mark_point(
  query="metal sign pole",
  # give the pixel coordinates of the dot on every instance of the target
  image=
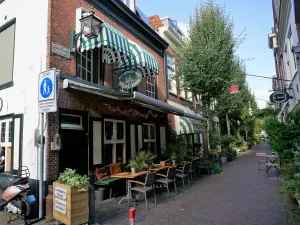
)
(41, 169)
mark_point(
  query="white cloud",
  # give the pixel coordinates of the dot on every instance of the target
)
(261, 97)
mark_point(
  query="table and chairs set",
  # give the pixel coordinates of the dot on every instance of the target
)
(268, 162)
(157, 177)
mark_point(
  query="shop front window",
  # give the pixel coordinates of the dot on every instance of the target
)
(149, 136)
(114, 141)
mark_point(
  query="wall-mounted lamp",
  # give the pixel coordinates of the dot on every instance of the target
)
(56, 144)
(90, 28)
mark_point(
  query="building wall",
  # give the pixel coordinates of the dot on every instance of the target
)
(285, 22)
(62, 19)
(29, 61)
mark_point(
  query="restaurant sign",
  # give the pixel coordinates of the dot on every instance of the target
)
(278, 97)
(129, 79)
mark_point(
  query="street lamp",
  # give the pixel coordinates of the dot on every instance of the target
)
(90, 25)
(90, 28)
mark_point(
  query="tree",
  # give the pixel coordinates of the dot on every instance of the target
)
(207, 57)
(228, 103)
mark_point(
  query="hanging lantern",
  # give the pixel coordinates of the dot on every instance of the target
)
(234, 89)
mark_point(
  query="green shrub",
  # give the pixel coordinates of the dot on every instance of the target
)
(71, 178)
(227, 140)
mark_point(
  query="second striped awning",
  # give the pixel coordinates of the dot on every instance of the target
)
(141, 60)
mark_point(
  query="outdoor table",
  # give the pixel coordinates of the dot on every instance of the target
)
(127, 176)
(159, 167)
(273, 159)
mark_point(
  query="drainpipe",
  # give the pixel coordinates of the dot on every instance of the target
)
(165, 77)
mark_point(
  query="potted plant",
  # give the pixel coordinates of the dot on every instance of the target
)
(133, 165)
(70, 198)
(149, 158)
(173, 157)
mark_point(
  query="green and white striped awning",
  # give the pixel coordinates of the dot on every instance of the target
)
(141, 60)
(114, 44)
(189, 126)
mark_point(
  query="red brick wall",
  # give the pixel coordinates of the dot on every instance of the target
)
(62, 19)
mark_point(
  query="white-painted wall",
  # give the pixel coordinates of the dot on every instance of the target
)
(29, 59)
(295, 84)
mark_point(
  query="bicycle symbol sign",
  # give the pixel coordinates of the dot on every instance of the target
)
(46, 87)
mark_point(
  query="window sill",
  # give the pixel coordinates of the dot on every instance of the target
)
(172, 93)
(6, 85)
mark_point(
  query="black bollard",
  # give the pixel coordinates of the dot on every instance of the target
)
(92, 211)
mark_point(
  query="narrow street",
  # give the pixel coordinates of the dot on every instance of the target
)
(239, 195)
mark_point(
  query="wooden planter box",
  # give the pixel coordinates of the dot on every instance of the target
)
(70, 206)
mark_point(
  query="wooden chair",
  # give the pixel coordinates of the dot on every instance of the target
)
(261, 159)
(272, 161)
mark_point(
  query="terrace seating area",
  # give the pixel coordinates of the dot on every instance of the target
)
(144, 183)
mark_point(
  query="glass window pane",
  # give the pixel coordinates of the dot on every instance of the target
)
(169, 74)
(83, 75)
(3, 129)
(108, 130)
(170, 61)
(145, 132)
(108, 154)
(89, 65)
(10, 132)
(120, 131)
(89, 78)
(120, 148)
(152, 132)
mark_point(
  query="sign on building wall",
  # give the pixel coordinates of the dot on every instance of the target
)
(61, 50)
(47, 91)
(278, 97)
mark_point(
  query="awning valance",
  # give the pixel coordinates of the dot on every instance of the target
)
(141, 60)
(114, 44)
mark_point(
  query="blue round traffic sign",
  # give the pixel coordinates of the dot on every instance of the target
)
(46, 87)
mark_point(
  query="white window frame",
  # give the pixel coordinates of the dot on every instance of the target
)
(150, 140)
(114, 140)
(291, 55)
(6, 144)
(150, 85)
(172, 80)
(72, 126)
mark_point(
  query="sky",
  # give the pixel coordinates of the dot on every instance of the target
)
(254, 16)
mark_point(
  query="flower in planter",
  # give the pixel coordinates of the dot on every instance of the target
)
(71, 178)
